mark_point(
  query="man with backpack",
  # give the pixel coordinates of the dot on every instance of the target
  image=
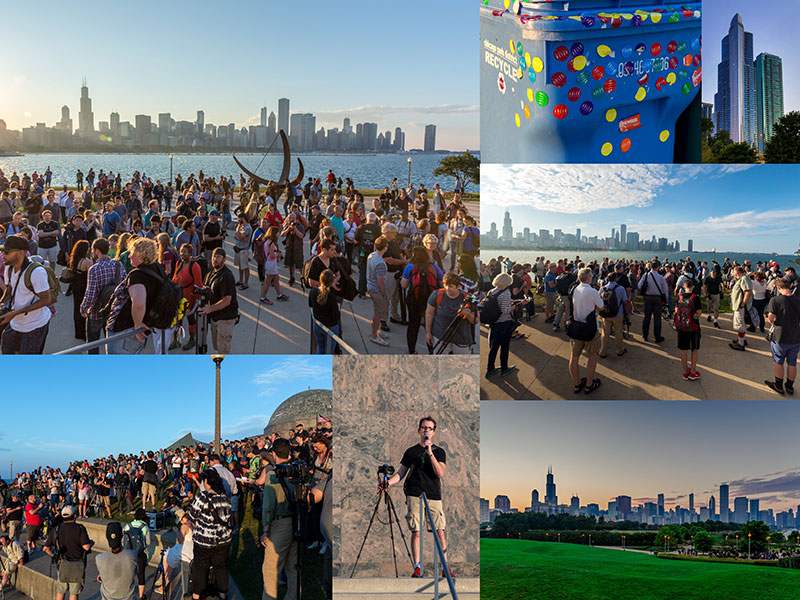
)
(103, 277)
(783, 314)
(687, 323)
(615, 308)
(563, 284)
(653, 288)
(136, 537)
(70, 542)
(444, 306)
(583, 301)
(30, 290)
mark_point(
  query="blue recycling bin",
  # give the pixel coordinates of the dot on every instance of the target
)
(589, 81)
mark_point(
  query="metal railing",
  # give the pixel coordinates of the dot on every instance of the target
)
(334, 337)
(425, 511)
(112, 338)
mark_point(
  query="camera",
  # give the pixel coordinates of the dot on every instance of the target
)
(295, 471)
(387, 470)
(5, 309)
(204, 292)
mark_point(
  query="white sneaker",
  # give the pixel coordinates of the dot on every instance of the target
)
(379, 340)
(313, 546)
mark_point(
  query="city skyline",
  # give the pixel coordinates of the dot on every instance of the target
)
(229, 71)
(642, 449)
(769, 35)
(142, 410)
(655, 200)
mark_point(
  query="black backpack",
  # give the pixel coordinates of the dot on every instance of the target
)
(489, 308)
(610, 302)
(163, 309)
(563, 283)
(106, 296)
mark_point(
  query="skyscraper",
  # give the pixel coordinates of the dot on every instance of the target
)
(754, 509)
(661, 505)
(508, 231)
(85, 116)
(263, 120)
(623, 233)
(712, 507)
(116, 130)
(691, 503)
(623, 507)
(65, 124)
(740, 509)
(575, 504)
(550, 491)
(484, 510)
(534, 498)
(578, 234)
(502, 503)
(164, 122)
(769, 95)
(735, 100)
(723, 503)
(283, 115)
(691, 245)
(430, 138)
(398, 142)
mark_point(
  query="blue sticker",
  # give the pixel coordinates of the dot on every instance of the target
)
(522, 64)
(695, 44)
(532, 75)
(611, 68)
(576, 50)
(627, 50)
(647, 64)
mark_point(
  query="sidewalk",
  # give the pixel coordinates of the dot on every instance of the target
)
(648, 371)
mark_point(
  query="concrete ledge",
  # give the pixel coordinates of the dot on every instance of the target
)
(159, 540)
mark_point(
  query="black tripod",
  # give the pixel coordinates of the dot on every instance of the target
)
(383, 494)
(450, 332)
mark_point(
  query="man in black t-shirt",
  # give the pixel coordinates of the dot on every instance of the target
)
(103, 486)
(212, 235)
(223, 309)
(149, 480)
(783, 313)
(71, 541)
(425, 465)
(49, 230)
(13, 516)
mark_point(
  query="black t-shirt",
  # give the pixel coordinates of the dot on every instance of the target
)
(517, 283)
(49, 241)
(103, 487)
(71, 539)
(149, 467)
(712, 285)
(421, 477)
(422, 209)
(222, 283)
(152, 286)
(401, 204)
(328, 313)
(314, 223)
(212, 230)
(14, 510)
(366, 235)
(787, 312)
(317, 267)
(393, 251)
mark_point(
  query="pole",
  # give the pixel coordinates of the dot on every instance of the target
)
(170, 168)
(409, 171)
(217, 358)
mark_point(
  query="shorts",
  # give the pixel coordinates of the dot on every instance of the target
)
(73, 589)
(83, 496)
(148, 489)
(241, 258)
(271, 267)
(713, 302)
(174, 556)
(380, 305)
(784, 353)
(234, 503)
(105, 501)
(689, 340)
(738, 321)
(33, 532)
(222, 335)
(412, 516)
(49, 254)
(579, 346)
(549, 299)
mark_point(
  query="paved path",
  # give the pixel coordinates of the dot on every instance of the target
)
(647, 371)
(625, 549)
(283, 328)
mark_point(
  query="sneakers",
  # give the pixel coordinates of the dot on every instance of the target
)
(556, 328)
(417, 572)
(313, 546)
(492, 372)
(379, 340)
(736, 346)
(445, 574)
(508, 370)
(384, 326)
(716, 324)
(266, 301)
(708, 318)
(694, 375)
(685, 376)
(282, 297)
(774, 387)
(658, 340)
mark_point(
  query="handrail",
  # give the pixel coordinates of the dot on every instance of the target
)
(439, 554)
(342, 344)
(107, 340)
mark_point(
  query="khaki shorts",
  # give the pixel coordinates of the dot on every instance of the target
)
(380, 304)
(241, 258)
(222, 335)
(589, 348)
(549, 299)
(738, 321)
(413, 502)
(106, 500)
(148, 489)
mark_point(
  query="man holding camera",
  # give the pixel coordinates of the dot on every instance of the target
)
(70, 543)
(223, 307)
(425, 465)
(14, 557)
(280, 545)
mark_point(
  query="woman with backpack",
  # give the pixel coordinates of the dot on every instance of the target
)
(210, 512)
(167, 255)
(501, 324)
(420, 278)
(325, 306)
(187, 275)
(136, 536)
(272, 254)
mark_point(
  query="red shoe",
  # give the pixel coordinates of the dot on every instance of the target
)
(694, 376)
(416, 573)
(686, 376)
(451, 574)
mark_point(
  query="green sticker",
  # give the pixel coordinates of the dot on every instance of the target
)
(598, 92)
(687, 87)
(542, 99)
(681, 47)
(520, 49)
(582, 78)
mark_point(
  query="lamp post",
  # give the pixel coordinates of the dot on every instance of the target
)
(546, 537)
(217, 358)
(11, 476)
(767, 544)
(749, 536)
(590, 539)
(170, 168)
(559, 536)
(623, 542)
(409, 171)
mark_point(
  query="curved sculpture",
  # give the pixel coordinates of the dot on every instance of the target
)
(275, 187)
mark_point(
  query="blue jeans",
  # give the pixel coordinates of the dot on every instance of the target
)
(94, 328)
(322, 338)
(128, 345)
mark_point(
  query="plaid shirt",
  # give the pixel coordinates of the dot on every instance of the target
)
(103, 272)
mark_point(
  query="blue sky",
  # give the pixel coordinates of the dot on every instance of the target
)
(395, 63)
(735, 208)
(772, 24)
(600, 450)
(126, 404)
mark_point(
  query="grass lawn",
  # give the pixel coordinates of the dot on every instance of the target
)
(521, 569)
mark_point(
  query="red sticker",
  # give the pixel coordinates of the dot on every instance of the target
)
(672, 47)
(673, 62)
(687, 13)
(625, 145)
(560, 111)
(660, 83)
(558, 79)
(561, 53)
(598, 72)
(630, 123)
(574, 94)
(655, 49)
(697, 77)
(687, 60)
(616, 22)
(610, 85)
(644, 79)
(696, 60)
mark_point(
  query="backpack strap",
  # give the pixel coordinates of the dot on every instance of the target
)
(440, 296)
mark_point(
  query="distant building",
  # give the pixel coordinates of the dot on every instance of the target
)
(201, 123)
(690, 247)
(724, 506)
(508, 231)
(502, 503)
(430, 138)
(85, 116)
(550, 489)
(623, 507)
(283, 115)
(484, 510)
(65, 124)
(735, 100)
(769, 95)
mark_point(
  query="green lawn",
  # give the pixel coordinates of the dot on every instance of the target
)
(520, 569)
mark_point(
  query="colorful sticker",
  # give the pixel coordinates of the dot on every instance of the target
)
(625, 145)
(603, 51)
(558, 79)
(687, 87)
(587, 108)
(582, 78)
(517, 120)
(660, 83)
(610, 85)
(630, 123)
(532, 75)
(671, 78)
(574, 94)
(528, 58)
(598, 92)
(641, 94)
(655, 49)
(560, 111)
(598, 73)
(527, 112)
(577, 49)
(611, 115)
(579, 62)
(520, 49)
(627, 50)
(501, 83)
(542, 99)
(561, 53)
(644, 79)
(672, 47)
(607, 149)
(512, 45)
(537, 64)
(664, 135)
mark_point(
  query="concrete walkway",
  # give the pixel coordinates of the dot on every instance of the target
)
(625, 549)
(283, 328)
(648, 371)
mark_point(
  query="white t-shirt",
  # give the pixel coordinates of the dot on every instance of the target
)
(23, 297)
(584, 300)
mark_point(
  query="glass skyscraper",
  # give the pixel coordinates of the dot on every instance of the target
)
(769, 95)
(735, 100)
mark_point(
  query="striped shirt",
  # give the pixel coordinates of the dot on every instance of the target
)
(208, 530)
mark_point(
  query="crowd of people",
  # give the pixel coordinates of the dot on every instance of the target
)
(203, 492)
(144, 258)
(594, 301)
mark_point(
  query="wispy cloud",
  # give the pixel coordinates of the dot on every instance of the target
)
(292, 370)
(577, 189)
(56, 445)
(784, 484)
(252, 425)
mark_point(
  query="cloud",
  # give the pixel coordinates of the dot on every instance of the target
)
(578, 189)
(292, 370)
(774, 222)
(785, 483)
(39, 444)
(252, 425)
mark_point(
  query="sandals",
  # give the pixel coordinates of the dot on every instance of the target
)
(594, 385)
(577, 389)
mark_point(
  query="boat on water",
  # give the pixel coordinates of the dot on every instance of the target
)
(10, 154)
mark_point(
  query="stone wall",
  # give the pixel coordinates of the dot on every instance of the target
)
(378, 401)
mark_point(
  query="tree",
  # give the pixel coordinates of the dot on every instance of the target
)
(794, 537)
(741, 153)
(703, 542)
(673, 535)
(776, 538)
(757, 539)
(707, 130)
(784, 145)
(465, 166)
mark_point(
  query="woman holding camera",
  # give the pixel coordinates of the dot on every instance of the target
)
(271, 253)
(211, 513)
(187, 275)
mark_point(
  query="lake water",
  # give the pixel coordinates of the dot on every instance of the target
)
(369, 171)
(523, 256)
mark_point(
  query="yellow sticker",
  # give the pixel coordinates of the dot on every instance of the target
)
(527, 113)
(664, 136)
(603, 51)
(527, 58)
(507, 3)
(672, 78)
(520, 73)
(579, 62)
(537, 64)
(627, 16)
(512, 46)
(530, 95)
(611, 115)
(655, 17)
(640, 94)
(517, 120)
(607, 149)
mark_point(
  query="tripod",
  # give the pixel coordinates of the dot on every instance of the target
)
(449, 333)
(201, 337)
(383, 495)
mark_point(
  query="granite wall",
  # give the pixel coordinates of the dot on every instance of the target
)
(377, 403)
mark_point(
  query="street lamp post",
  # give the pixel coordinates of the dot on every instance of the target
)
(749, 536)
(10, 477)
(590, 539)
(217, 358)
(409, 171)
(559, 536)
(170, 168)
(623, 542)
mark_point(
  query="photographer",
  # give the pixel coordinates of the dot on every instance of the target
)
(14, 553)
(293, 232)
(445, 305)
(69, 543)
(13, 516)
(425, 465)
(223, 309)
(280, 545)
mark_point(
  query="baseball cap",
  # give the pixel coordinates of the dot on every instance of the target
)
(17, 242)
(214, 212)
(114, 534)
(68, 511)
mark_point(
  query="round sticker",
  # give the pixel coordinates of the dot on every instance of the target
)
(681, 47)
(627, 50)
(672, 47)
(687, 87)
(647, 65)
(598, 92)
(506, 3)
(542, 99)
(610, 85)
(530, 95)
(673, 62)
(671, 78)
(522, 63)
(528, 58)
(696, 44)
(519, 73)
(687, 60)
(577, 49)
(571, 65)
(527, 112)
(641, 94)
(655, 49)
(616, 22)
(640, 48)
(579, 62)
(637, 21)
(558, 79)
(537, 64)
(660, 83)
(664, 136)
(574, 94)
(587, 108)
(587, 21)
(603, 51)
(655, 17)
(598, 72)
(517, 120)
(696, 60)
(501, 83)
(520, 49)
(687, 12)
(674, 18)
(625, 145)
(561, 53)
(611, 67)
(560, 111)
(532, 75)
(683, 74)
(644, 79)
(607, 149)
(582, 78)
(611, 115)
(629, 67)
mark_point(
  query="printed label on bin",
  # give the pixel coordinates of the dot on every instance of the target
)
(630, 123)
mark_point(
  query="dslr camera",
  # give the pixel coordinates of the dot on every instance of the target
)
(204, 293)
(386, 470)
(296, 471)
